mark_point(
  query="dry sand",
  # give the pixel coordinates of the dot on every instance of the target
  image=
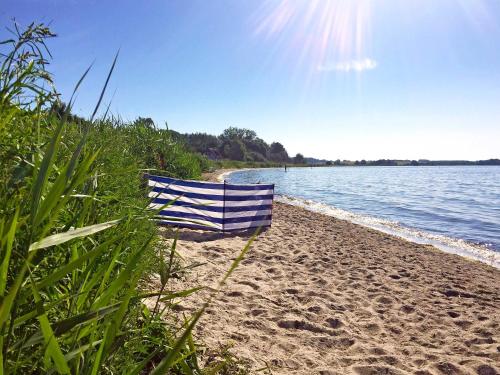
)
(218, 174)
(318, 295)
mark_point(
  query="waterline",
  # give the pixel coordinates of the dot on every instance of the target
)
(444, 243)
(454, 209)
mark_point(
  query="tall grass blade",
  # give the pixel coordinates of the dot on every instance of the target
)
(58, 274)
(6, 245)
(45, 168)
(170, 359)
(239, 258)
(60, 238)
(53, 350)
(123, 277)
(105, 86)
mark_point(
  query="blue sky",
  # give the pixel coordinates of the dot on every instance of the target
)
(348, 79)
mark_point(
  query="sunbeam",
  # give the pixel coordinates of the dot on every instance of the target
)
(318, 33)
(321, 36)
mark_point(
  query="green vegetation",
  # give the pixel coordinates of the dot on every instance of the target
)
(242, 148)
(237, 147)
(235, 164)
(77, 245)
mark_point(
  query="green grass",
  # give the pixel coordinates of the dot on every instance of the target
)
(76, 239)
(236, 164)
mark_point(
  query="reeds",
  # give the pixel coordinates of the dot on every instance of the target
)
(75, 237)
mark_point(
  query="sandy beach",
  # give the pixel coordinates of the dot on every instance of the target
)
(319, 295)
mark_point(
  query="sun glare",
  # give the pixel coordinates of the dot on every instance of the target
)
(322, 34)
(335, 35)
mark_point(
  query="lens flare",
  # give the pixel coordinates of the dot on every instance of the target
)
(318, 33)
(336, 35)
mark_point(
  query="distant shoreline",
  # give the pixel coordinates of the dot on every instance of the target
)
(481, 163)
(397, 163)
(404, 165)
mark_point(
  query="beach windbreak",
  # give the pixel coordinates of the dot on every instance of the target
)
(216, 206)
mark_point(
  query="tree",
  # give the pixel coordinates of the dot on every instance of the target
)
(278, 153)
(234, 143)
(257, 146)
(202, 142)
(147, 121)
(235, 150)
(240, 133)
(299, 159)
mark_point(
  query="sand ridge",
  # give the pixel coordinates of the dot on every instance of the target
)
(318, 295)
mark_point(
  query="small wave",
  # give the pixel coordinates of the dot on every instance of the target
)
(448, 244)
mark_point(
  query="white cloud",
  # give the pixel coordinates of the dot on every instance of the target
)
(348, 66)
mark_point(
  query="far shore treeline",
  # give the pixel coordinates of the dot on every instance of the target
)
(242, 148)
(243, 145)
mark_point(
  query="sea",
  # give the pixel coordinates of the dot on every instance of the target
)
(455, 208)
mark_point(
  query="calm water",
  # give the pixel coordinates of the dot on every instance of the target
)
(455, 208)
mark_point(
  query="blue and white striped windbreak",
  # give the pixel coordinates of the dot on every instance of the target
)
(211, 205)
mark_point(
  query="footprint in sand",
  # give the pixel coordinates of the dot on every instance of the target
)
(250, 284)
(407, 309)
(448, 368)
(254, 324)
(375, 370)
(404, 273)
(257, 312)
(480, 341)
(334, 323)
(464, 324)
(314, 309)
(378, 351)
(234, 294)
(384, 300)
(486, 370)
(301, 259)
(300, 325)
(372, 328)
